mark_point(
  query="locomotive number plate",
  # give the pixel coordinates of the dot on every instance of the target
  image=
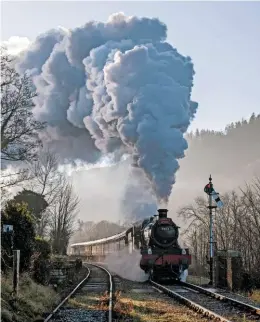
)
(165, 228)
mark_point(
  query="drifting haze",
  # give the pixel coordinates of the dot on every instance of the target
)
(114, 88)
(229, 158)
(126, 265)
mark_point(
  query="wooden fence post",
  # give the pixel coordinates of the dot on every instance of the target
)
(16, 269)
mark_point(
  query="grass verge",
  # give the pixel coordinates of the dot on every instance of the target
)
(256, 296)
(32, 301)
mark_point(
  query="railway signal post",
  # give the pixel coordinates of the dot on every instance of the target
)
(209, 190)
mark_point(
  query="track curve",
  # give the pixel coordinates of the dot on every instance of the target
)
(98, 280)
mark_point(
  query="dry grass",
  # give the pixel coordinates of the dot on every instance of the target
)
(33, 299)
(256, 296)
(142, 307)
(198, 280)
(130, 306)
(241, 318)
(89, 301)
(149, 307)
(137, 307)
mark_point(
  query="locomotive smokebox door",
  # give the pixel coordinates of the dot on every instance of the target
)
(162, 213)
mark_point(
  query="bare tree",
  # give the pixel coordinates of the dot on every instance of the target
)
(19, 129)
(15, 177)
(47, 177)
(236, 226)
(42, 177)
(196, 235)
(63, 213)
(47, 182)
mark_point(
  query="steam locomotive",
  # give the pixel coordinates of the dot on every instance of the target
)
(162, 257)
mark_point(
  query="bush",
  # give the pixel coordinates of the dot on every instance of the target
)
(42, 247)
(78, 264)
(33, 300)
(41, 271)
(256, 279)
(35, 202)
(41, 264)
(22, 237)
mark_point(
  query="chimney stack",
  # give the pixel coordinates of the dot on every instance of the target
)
(162, 213)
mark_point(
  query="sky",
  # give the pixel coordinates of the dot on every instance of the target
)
(222, 38)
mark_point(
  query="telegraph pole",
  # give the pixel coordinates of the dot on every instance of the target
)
(16, 267)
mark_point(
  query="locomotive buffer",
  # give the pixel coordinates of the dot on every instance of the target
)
(209, 190)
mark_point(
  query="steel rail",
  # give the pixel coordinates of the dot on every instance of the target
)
(196, 307)
(110, 307)
(67, 297)
(248, 307)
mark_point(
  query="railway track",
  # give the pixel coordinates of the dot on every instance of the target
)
(216, 306)
(85, 301)
(84, 304)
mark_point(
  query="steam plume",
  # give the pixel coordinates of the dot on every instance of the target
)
(114, 88)
(126, 265)
(138, 201)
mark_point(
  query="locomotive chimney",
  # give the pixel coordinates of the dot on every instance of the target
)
(162, 213)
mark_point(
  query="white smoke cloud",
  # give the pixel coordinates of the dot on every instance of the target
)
(15, 44)
(79, 165)
(138, 201)
(126, 265)
(114, 88)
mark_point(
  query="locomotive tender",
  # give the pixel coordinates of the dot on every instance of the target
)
(162, 257)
